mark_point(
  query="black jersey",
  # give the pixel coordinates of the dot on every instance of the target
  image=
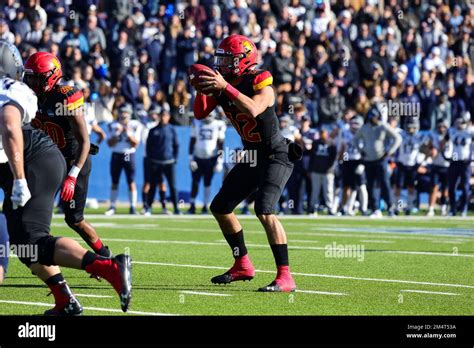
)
(257, 133)
(36, 143)
(54, 108)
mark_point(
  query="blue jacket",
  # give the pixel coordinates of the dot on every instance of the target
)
(162, 144)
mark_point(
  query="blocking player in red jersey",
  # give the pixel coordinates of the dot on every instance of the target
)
(248, 100)
(60, 115)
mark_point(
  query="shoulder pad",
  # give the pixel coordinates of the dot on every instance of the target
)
(73, 97)
(262, 79)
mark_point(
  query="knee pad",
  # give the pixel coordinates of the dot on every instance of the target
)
(73, 219)
(218, 206)
(44, 252)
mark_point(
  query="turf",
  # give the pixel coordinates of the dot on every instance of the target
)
(175, 257)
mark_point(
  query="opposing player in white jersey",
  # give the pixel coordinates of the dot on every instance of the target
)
(439, 168)
(459, 151)
(30, 178)
(124, 139)
(353, 172)
(408, 160)
(207, 140)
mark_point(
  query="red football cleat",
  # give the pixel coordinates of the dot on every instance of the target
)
(65, 302)
(241, 270)
(283, 282)
(118, 272)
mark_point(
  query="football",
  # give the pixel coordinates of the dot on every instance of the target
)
(194, 72)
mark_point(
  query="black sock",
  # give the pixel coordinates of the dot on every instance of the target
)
(55, 279)
(145, 199)
(236, 243)
(163, 198)
(88, 258)
(280, 253)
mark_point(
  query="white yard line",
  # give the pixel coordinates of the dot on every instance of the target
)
(321, 292)
(298, 247)
(110, 310)
(93, 296)
(377, 241)
(313, 275)
(431, 292)
(204, 293)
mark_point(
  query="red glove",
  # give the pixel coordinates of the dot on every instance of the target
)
(69, 186)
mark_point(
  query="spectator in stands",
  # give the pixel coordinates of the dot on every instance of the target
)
(332, 106)
(180, 101)
(131, 83)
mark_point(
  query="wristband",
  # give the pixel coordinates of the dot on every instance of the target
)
(74, 172)
(231, 92)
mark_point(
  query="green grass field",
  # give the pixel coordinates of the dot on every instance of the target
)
(410, 266)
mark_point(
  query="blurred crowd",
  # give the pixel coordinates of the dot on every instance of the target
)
(330, 60)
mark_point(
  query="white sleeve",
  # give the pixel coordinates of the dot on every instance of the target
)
(20, 94)
(222, 129)
(137, 130)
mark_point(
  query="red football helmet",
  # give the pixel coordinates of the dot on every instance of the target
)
(42, 71)
(235, 55)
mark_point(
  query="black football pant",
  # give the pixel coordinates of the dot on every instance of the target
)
(459, 172)
(30, 225)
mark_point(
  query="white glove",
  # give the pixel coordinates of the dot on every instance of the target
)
(193, 164)
(219, 166)
(360, 169)
(20, 193)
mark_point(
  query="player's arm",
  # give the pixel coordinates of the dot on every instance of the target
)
(99, 131)
(203, 105)
(79, 129)
(134, 137)
(12, 138)
(262, 99)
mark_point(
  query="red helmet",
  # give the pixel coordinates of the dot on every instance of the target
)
(42, 71)
(235, 55)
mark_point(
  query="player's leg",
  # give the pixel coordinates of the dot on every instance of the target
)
(465, 185)
(273, 179)
(208, 175)
(196, 178)
(115, 171)
(4, 247)
(443, 186)
(146, 186)
(74, 213)
(316, 184)
(452, 184)
(434, 191)
(410, 180)
(32, 223)
(238, 184)
(129, 167)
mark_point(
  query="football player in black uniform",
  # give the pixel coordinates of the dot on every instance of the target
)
(248, 100)
(30, 180)
(60, 116)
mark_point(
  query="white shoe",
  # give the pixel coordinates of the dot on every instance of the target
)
(376, 215)
(110, 211)
(464, 214)
(430, 213)
(444, 210)
(315, 214)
